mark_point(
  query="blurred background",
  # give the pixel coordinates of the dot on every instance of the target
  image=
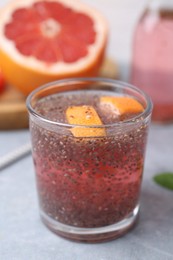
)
(122, 16)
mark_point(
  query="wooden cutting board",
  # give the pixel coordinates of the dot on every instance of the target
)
(13, 112)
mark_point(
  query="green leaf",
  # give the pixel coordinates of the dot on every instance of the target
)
(165, 180)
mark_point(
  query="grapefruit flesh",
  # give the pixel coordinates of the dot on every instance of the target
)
(44, 40)
(49, 34)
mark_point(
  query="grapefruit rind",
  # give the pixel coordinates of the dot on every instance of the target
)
(87, 116)
(27, 72)
(122, 105)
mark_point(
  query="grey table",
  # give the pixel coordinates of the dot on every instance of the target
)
(24, 237)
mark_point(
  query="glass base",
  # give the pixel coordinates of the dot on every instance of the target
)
(92, 235)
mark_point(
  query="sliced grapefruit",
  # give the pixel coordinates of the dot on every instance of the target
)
(46, 40)
(87, 116)
(122, 105)
(2, 82)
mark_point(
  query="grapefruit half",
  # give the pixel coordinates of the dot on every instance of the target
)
(46, 40)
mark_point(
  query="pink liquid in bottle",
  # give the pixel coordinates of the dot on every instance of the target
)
(152, 60)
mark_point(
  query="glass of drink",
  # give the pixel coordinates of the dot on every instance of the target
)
(152, 62)
(88, 144)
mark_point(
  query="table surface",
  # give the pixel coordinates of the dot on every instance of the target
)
(22, 234)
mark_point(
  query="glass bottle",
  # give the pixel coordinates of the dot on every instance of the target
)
(152, 57)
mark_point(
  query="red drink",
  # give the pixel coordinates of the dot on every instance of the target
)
(152, 62)
(87, 182)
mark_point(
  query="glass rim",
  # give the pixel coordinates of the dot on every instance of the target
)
(147, 111)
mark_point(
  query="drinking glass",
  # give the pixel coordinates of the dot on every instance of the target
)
(88, 186)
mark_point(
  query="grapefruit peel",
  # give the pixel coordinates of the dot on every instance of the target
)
(87, 116)
(122, 105)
